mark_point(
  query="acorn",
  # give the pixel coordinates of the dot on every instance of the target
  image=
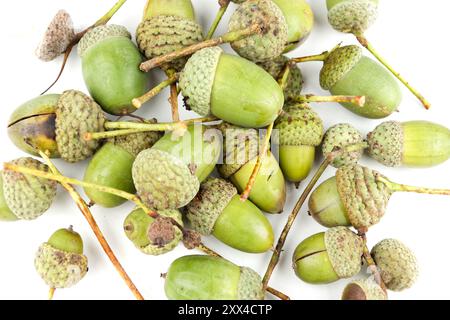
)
(26, 197)
(168, 175)
(218, 210)
(328, 256)
(60, 261)
(342, 135)
(411, 144)
(212, 82)
(397, 264)
(300, 131)
(110, 63)
(200, 277)
(352, 16)
(240, 156)
(364, 289)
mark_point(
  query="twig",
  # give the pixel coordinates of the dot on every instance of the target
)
(223, 8)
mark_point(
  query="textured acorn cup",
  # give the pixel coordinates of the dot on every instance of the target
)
(5, 212)
(60, 261)
(212, 82)
(397, 264)
(211, 278)
(347, 72)
(240, 156)
(26, 196)
(218, 210)
(300, 130)
(110, 63)
(138, 228)
(366, 289)
(352, 16)
(328, 256)
(411, 144)
(342, 135)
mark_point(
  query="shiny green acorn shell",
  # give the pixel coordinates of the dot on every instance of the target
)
(179, 8)
(66, 240)
(296, 162)
(5, 213)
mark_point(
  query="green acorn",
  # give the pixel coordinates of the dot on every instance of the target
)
(366, 289)
(328, 256)
(300, 130)
(411, 144)
(218, 210)
(211, 278)
(352, 16)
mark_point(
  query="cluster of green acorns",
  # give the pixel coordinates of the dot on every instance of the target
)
(170, 172)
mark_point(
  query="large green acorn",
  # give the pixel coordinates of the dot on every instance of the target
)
(300, 131)
(411, 144)
(168, 175)
(328, 256)
(213, 82)
(110, 62)
(240, 156)
(211, 278)
(218, 210)
(352, 16)
(366, 289)
(60, 261)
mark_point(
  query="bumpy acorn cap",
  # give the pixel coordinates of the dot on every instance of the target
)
(397, 264)
(336, 66)
(386, 143)
(163, 181)
(299, 125)
(364, 289)
(342, 135)
(353, 16)
(203, 211)
(77, 114)
(250, 285)
(273, 39)
(57, 38)
(161, 35)
(364, 198)
(100, 33)
(28, 197)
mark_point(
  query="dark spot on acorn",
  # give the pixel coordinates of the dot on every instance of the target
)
(161, 232)
(192, 168)
(191, 239)
(186, 104)
(353, 292)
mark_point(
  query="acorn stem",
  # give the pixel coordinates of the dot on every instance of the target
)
(373, 267)
(138, 102)
(356, 100)
(227, 37)
(366, 44)
(397, 187)
(173, 99)
(316, 57)
(223, 8)
(51, 293)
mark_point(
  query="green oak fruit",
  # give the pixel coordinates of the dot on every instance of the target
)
(352, 16)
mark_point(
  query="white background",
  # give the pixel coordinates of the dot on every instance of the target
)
(412, 38)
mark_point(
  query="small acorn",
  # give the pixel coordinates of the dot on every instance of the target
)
(352, 16)
(397, 264)
(218, 210)
(60, 261)
(200, 277)
(411, 144)
(240, 156)
(328, 256)
(300, 131)
(212, 82)
(364, 289)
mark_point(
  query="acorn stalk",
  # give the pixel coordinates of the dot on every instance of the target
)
(223, 8)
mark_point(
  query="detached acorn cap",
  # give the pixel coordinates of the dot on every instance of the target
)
(345, 250)
(365, 200)
(299, 125)
(250, 285)
(100, 33)
(163, 181)
(28, 197)
(386, 143)
(203, 211)
(353, 16)
(364, 289)
(397, 264)
(76, 115)
(273, 39)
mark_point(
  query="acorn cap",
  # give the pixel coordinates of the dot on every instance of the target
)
(353, 16)
(345, 250)
(163, 181)
(336, 66)
(365, 200)
(162, 34)
(197, 79)
(100, 33)
(60, 33)
(397, 264)
(28, 197)
(273, 39)
(342, 135)
(364, 289)
(386, 143)
(203, 211)
(299, 125)
(250, 285)
(77, 114)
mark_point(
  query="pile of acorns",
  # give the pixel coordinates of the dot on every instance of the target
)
(168, 176)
